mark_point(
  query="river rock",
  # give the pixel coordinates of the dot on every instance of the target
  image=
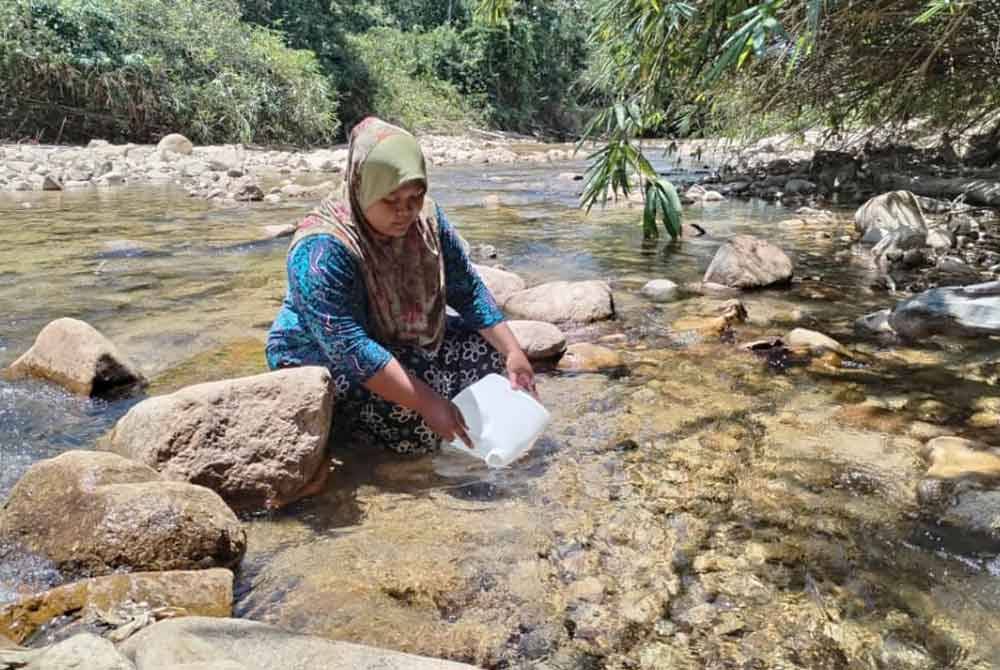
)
(539, 340)
(586, 357)
(748, 262)
(898, 214)
(661, 290)
(581, 302)
(247, 190)
(278, 230)
(196, 593)
(50, 183)
(876, 322)
(502, 284)
(257, 441)
(955, 457)
(965, 311)
(93, 513)
(75, 355)
(799, 187)
(816, 343)
(80, 652)
(256, 646)
(176, 143)
(939, 238)
(977, 512)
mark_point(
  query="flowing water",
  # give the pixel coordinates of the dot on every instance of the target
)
(711, 508)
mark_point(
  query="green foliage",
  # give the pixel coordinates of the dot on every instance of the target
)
(136, 69)
(613, 167)
(406, 87)
(529, 66)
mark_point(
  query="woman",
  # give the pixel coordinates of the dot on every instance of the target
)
(369, 277)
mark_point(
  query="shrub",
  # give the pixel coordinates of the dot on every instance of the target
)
(137, 69)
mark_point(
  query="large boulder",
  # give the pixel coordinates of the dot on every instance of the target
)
(748, 262)
(177, 143)
(539, 340)
(560, 301)
(964, 311)
(256, 441)
(94, 513)
(895, 214)
(75, 355)
(502, 284)
(194, 592)
(239, 643)
(80, 652)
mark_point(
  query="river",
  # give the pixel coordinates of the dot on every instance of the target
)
(710, 508)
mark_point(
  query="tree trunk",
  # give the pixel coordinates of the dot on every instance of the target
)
(984, 192)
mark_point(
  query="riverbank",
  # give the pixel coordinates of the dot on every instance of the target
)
(230, 172)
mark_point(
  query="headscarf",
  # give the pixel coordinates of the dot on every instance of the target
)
(404, 276)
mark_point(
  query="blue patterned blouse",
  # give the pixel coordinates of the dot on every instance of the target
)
(324, 317)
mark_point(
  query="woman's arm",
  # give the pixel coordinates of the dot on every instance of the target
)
(440, 414)
(468, 295)
(519, 370)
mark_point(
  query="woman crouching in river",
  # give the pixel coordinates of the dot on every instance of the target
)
(369, 277)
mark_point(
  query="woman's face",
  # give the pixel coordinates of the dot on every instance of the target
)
(393, 215)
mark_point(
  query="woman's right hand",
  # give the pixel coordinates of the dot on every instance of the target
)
(444, 418)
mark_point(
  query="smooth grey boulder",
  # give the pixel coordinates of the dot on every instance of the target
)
(501, 283)
(257, 441)
(661, 290)
(93, 513)
(963, 311)
(746, 262)
(80, 652)
(896, 213)
(561, 301)
(539, 340)
(73, 354)
(257, 646)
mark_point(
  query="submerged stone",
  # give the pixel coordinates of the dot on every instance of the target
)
(197, 592)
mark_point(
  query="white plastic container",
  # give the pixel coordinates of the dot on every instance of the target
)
(503, 423)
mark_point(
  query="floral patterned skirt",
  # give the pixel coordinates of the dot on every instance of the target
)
(464, 358)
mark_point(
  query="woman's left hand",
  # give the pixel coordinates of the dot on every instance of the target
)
(520, 372)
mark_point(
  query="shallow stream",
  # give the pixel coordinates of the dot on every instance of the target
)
(708, 509)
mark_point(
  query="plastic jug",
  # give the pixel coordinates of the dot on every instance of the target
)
(503, 423)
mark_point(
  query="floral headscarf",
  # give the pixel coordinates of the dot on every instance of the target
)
(404, 276)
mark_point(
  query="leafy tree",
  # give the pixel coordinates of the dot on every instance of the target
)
(700, 65)
(136, 69)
